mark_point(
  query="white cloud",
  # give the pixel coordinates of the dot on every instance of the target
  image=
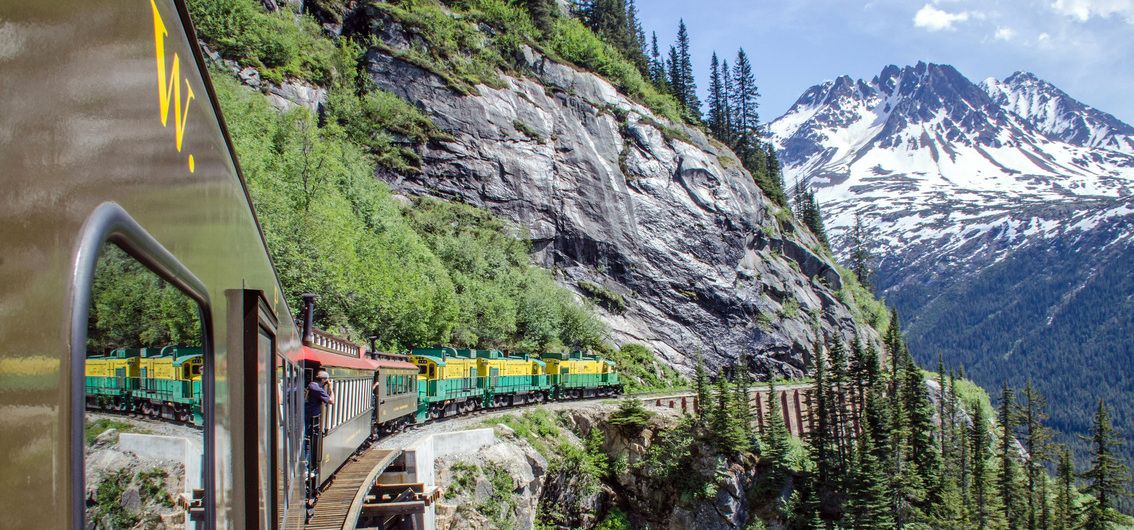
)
(934, 19)
(1005, 33)
(1083, 10)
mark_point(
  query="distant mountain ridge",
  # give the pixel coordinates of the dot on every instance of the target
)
(1004, 214)
(1059, 116)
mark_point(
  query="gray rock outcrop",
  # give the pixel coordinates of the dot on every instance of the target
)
(611, 194)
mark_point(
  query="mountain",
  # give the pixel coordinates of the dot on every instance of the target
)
(1004, 218)
(1059, 116)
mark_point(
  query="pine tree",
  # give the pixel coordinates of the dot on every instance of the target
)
(745, 118)
(1065, 492)
(1108, 476)
(729, 435)
(1007, 484)
(821, 440)
(727, 89)
(923, 449)
(860, 242)
(688, 96)
(636, 51)
(1036, 439)
(674, 78)
(867, 507)
(840, 387)
(812, 217)
(542, 13)
(978, 440)
(657, 65)
(701, 386)
(774, 443)
(607, 19)
(743, 389)
(716, 117)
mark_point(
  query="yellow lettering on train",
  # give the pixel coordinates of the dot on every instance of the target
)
(169, 84)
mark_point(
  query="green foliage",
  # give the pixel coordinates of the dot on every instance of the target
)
(790, 308)
(152, 486)
(669, 462)
(631, 416)
(280, 44)
(504, 300)
(500, 506)
(615, 520)
(132, 307)
(538, 427)
(642, 371)
(604, 297)
(97, 427)
(528, 130)
(107, 511)
(451, 46)
(572, 41)
(863, 305)
(333, 229)
(384, 124)
(464, 479)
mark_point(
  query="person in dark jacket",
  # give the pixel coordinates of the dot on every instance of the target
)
(319, 392)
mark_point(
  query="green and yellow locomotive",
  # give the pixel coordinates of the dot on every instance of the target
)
(150, 381)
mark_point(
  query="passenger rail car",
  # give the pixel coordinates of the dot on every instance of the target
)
(110, 136)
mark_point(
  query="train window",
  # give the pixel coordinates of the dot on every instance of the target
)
(143, 424)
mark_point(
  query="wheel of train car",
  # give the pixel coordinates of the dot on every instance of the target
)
(182, 415)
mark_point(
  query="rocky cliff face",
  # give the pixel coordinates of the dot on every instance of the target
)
(615, 197)
(511, 484)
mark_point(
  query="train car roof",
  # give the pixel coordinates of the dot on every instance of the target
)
(183, 358)
(387, 363)
(326, 358)
(432, 358)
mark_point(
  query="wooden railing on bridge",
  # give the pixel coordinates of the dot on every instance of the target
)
(795, 405)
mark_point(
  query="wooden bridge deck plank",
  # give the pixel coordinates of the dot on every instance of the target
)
(334, 505)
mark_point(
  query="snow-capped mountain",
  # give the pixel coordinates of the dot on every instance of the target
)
(1004, 214)
(933, 158)
(1057, 115)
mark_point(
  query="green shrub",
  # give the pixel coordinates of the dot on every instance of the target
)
(454, 48)
(538, 427)
(278, 44)
(528, 130)
(863, 305)
(631, 416)
(790, 308)
(604, 297)
(97, 427)
(107, 511)
(641, 371)
(572, 41)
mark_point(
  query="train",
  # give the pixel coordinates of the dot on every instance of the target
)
(377, 393)
(155, 382)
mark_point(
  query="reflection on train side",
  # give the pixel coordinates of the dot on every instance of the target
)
(144, 373)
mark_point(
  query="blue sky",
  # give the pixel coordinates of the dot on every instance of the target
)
(1085, 47)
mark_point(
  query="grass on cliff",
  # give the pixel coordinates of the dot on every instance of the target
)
(279, 44)
(641, 371)
(458, 51)
(864, 306)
